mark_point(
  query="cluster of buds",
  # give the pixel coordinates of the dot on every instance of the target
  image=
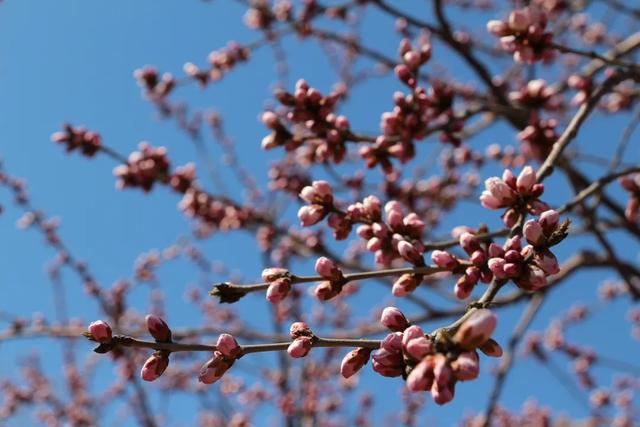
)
(515, 193)
(226, 353)
(326, 132)
(537, 94)
(156, 88)
(538, 137)
(398, 237)
(143, 168)
(78, 138)
(302, 340)
(279, 280)
(583, 87)
(530, 266)
(221, 62)
(319, 195)
(473, 270)
(183, 178)
(631, 183)
(430, 363)
(524, 35)
(412, 59)
(289, 177)
(214, 213)
(158, 362)
(334, 279)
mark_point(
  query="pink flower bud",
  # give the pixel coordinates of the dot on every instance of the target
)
(273, 273)
(270, 120)
(469, 243)
(409, 252)
(354, 361)
(154, 367)
(323, 190)
(496, 265)
(228, 346)
(547, 262)
(405, 284)
(392, 342)
(476, 330)
(300, 329)
(444, 260)
(500, 190)
(421, 377)
(441, 394)
(300, 347)
(519, 20)
(100, 331)
(393, 319)
(549, 220)
(497, 28)
(310, 215)
(328, 269)
(467, 366)
(214, 368)
(526, 180)
(158, 328)
(326, 290)
(278, 290)
(488, 201)
(533, 233)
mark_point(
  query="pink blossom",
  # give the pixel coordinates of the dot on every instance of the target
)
(100, 331)
(158, 328)
(476, 329)
(299, 347)
(393, 319)
(228, 346)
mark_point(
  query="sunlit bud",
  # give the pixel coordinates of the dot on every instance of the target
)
(158, 328)
(228, 346)
(476, 330)
(300, 347)
(393, 319)
(354, 361)
(100, 331)
(154, 367)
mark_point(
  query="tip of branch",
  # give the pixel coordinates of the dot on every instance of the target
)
(227, 293)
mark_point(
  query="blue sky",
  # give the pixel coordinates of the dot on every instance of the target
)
(73, 61)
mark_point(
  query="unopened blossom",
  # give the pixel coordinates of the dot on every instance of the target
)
(278, 290)
(514, 193)
(100, 331)
(538, 137)
(393, 319)
(154, 367)
(476, 330)
(88, 142)
(143, 168)
(536, 94)
(228, 346)
(299, 347)
(523, 33)
(328, 269)
(158, 328)
(354, 361)
(318, 192)
(300, 329)
(214, 368)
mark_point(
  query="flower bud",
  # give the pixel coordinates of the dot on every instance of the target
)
(100, 331)
(354, 361)
(271, 274)
(476, 330)
(409, 252)
(300, 347)
(214, 368)
(154, 367)
(526, 180)
(393, 319)
(328, 269)
(300, 329)
(444, 260)
(228, 346)
(158, 328)
(278, 290)
(467, 366)
(533, 233)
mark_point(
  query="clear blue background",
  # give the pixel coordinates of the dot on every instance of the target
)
(73, 61)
